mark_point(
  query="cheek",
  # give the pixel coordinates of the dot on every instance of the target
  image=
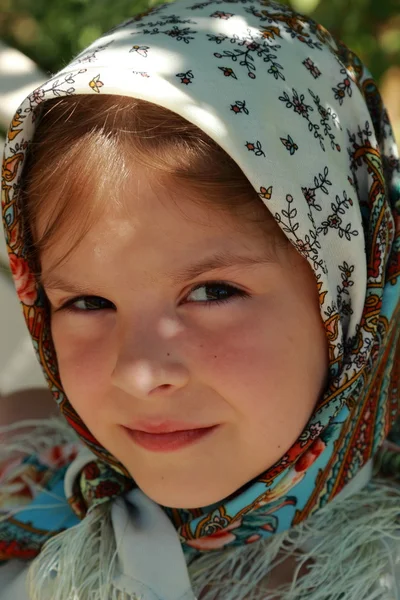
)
(83, 360)
(268, 363)
(247, 354)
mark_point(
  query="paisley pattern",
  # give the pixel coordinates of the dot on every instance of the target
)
(302, 116)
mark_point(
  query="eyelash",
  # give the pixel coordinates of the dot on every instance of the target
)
(237, 293)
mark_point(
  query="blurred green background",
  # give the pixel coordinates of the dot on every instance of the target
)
(52, 31)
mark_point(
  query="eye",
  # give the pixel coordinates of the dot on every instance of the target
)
(94, 303)
(215, 292)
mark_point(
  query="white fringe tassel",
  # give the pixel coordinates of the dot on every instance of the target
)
(78, 564)
(354, 543)
(42, 434)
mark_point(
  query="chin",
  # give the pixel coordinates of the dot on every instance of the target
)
(193, 498)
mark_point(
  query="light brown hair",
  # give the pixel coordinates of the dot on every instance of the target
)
(83, 141)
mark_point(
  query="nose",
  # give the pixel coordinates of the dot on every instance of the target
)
(147, 364)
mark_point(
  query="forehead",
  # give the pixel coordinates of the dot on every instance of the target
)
(149, 213)
(156, 249)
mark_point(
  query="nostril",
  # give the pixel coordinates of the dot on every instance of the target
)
(161, 388)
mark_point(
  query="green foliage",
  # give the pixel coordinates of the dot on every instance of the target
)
(371, 28)
(52, 31)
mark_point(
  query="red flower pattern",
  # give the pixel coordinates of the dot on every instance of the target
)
(25, 282)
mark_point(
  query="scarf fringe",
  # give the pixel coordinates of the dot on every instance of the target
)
(354, 543)
(43, 435)
(84, 554)
(79, 563)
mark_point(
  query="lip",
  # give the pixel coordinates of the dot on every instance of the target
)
(164, 426)
(168, 442)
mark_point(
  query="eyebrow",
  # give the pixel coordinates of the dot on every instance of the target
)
(221, 260)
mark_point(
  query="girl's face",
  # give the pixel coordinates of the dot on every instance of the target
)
(169, 334)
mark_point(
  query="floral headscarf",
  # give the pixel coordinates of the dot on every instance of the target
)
(291, 99)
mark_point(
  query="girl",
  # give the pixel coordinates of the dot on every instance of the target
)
(203, 222)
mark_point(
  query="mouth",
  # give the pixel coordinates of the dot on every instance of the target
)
(163, 426)
(169, 441)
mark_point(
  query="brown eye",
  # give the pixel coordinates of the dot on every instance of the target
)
(215, 293)
(87, 304)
